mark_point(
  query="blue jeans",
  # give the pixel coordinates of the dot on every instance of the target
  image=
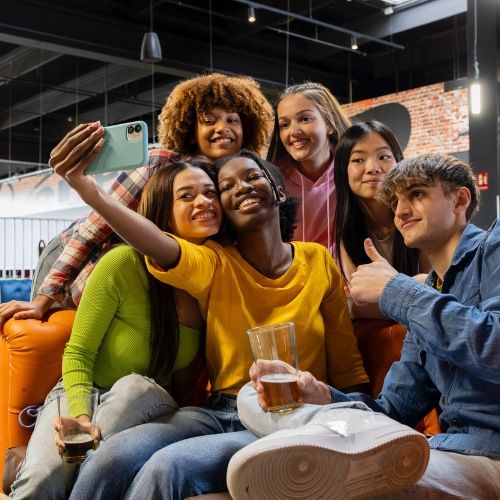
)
(182, 454)
(132, 400)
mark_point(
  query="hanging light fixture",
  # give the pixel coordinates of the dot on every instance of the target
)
(475, 87)
(150, 48)
(251, 15)
(354, 43)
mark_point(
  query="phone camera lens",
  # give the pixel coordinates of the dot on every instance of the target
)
(138, 128)
(130, 129)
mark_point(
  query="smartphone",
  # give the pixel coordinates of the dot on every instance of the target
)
(126, 147)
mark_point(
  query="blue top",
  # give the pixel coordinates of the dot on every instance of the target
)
(451, 354)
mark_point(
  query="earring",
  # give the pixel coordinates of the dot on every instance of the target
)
(279, 201)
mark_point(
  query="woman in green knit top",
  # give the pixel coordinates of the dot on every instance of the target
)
(130, 329)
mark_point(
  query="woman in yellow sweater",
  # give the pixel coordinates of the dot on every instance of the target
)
(261, 278)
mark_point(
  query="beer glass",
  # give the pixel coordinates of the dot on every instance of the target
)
(275, 354)
(77, 437)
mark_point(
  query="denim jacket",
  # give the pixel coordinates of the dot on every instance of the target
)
(451, 354)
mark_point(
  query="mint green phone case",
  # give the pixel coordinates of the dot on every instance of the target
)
(123, 150)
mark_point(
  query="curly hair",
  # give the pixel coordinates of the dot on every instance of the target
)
(240, 94)
(287, 209)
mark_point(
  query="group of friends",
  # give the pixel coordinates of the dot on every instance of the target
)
(334, 225)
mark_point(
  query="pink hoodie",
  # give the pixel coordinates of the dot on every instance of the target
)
(318, 202)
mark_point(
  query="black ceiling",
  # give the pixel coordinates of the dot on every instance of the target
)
(69, 61)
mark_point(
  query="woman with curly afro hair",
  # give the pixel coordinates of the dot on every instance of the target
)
(196, 112)
(210, 115)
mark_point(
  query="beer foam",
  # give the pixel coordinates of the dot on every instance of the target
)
(279, 378)
(81, 437)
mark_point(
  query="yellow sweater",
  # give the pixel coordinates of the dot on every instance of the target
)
(234, 297)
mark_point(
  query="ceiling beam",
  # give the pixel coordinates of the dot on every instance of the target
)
(122, 111)
(22, 60)
(380, 25)
(319, 23)
(403, 19)
(90, 54)
(112, 76)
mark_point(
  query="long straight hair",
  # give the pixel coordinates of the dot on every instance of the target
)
(350, 223)
(156, 205)
(328, 107)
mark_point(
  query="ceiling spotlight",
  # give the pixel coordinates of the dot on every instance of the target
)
(388, 11)
(251, 15)
(354, 43)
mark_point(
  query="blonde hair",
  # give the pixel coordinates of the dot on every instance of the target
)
(328, 107)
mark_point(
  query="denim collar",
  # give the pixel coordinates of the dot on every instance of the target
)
(469, 241)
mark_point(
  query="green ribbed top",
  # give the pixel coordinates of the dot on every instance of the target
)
(111, 331)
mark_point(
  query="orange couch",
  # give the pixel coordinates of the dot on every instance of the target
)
(31, 351)
(30, 361)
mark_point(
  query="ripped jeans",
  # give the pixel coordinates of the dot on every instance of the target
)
(131, 401)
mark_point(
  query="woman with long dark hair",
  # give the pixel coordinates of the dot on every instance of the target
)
(364, 154)
(136, 339)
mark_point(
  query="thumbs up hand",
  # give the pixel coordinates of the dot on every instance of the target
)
(368, 281)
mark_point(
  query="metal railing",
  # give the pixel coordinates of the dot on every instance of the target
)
(20, 243)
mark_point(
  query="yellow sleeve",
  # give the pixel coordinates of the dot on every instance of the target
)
(195, 270)
(344, 362)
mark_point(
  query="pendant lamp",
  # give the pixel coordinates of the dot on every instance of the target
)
(150, 48)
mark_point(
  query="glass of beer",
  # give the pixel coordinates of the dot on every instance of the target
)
(73, 407)
(275, 354)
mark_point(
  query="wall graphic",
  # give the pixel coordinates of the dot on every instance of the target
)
(45, 195)
(430, 119)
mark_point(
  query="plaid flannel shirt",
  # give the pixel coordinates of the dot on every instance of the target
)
(86, 239)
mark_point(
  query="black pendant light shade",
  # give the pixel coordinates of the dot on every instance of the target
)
(150, 48)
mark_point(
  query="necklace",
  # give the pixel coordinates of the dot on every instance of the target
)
(382, 235)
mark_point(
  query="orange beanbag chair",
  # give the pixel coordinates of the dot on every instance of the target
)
(30, 360)
(380, 343)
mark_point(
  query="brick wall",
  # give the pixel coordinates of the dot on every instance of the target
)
(439, 118)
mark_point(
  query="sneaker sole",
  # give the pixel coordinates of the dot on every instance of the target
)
(302, 469)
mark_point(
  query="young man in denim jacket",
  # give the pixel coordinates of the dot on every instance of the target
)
(451, 354)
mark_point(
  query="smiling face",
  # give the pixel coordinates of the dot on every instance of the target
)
(196, 211)
(426, 216)
(246, 195)
(303, 131)
(370, 159)
(218, 133)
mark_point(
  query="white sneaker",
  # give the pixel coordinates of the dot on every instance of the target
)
(342, 453)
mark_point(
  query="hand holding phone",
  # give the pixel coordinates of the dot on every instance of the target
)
(125, 148)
